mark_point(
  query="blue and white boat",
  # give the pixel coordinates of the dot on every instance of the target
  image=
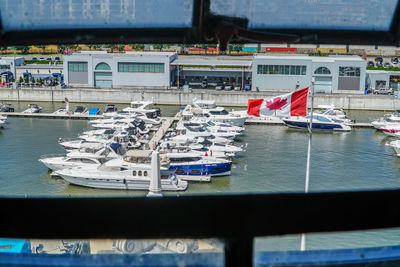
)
(192, 164)
(320, 122)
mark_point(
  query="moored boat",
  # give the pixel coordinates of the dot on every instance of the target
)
(320, 122)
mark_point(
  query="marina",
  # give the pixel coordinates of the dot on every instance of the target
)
(273, 162)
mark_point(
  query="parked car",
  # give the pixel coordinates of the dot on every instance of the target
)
(41, 58)
(219, 87)
(371, 64)
(34, 58)
(383, 91)
(57, 59)
(379, 59)
(228, 87)
(379, 64)
(387, 65)
(49, 58)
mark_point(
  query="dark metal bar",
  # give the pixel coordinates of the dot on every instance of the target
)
(226, 216)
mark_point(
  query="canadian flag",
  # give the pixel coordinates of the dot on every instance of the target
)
(291, 104)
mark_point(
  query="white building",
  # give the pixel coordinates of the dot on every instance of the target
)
(106, 70)
(333, 74)
(382, 78)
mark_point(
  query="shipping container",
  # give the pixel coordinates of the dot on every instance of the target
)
(280, 49)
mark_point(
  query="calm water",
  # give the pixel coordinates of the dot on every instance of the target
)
(274, 161)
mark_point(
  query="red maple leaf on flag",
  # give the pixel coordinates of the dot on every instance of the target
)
(276, 103)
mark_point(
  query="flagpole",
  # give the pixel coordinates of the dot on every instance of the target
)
(303, 236)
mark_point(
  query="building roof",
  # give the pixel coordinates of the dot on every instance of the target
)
(211, 62)
(306, 57)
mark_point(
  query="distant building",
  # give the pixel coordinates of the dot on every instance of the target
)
(107, 70)
(287, 72)
(7, 67)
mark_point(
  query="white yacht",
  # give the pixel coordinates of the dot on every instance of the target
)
(3, 121)
(396, 146)
(144, 110)
(329, 111)
(200, 130)
(121, 174)
(110, 110)
(87, 155)
(80, 110)
(33, 108)
(320, 122)
(61, 110)
(220, 114)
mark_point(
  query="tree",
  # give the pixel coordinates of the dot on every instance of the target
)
(138, 46)
(21, 80)
(33, 80)
(23, 49)
(161, 46)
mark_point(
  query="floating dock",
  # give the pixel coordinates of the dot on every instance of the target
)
(164, 127)
(52, 115)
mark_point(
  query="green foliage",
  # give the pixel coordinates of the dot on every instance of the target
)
(33, 80)
(383, 68)
(38, 62)
(21, 80)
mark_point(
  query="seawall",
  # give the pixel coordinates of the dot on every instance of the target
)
(175, 97)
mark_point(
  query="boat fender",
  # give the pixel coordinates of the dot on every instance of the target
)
(206, 154)
(210, 153)
(124, 181)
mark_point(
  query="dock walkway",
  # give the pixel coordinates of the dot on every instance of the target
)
(154, 141)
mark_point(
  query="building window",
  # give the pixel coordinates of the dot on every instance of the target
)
(102, 66)
(322, 70)
(78, 66)
(349, 71)
(141, 67)
(5, 67)
(282, 69)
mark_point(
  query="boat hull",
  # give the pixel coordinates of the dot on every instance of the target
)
(211, 169)
(115, 181)
(315, 125)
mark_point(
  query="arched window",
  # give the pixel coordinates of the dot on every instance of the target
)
(102, 66)
(322, 70)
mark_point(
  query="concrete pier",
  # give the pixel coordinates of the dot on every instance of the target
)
(177, 97)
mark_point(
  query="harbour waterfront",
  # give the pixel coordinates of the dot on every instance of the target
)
(274, 161)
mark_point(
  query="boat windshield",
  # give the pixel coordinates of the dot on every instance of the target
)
(183, 159)
(151, 115)
(221, 112)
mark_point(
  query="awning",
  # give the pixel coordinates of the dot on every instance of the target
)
(27, 73)
(56, 74)
(8, 73)
(41, 76)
